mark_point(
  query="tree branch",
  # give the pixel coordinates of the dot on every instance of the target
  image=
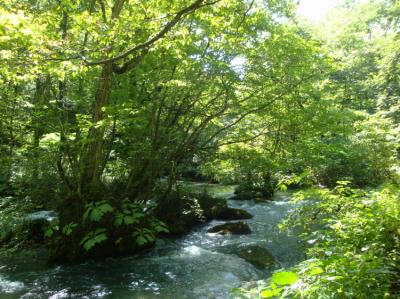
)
(178, 17)
(251, 138)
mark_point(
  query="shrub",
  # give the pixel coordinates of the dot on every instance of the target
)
(354, 245)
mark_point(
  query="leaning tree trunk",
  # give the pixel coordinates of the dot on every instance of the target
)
(92, 159)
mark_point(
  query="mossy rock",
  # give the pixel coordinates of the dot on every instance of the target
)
(231, 228)
(225, 213)
(208, 203)
(181, 212)
(256, 255)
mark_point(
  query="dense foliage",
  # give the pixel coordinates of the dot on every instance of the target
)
(106, 104)
(353, 245)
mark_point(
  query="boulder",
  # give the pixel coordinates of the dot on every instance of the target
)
(181, 212)
(207, 204)
(260, 200)
(233, 228)
(256, 255)
(226, 213)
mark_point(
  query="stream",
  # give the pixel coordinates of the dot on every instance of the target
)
(199, 265)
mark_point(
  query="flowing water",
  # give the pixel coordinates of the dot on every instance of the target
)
(199, 265)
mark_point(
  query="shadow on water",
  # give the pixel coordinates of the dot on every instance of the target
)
(199, 265)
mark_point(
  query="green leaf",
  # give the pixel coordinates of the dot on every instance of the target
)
(270, 293)
(118, 219)
(96, 215)
(130, 220)
(100, 238)
(285, 278)
(89, 244)
(68, 229)
(96, 211)
(161, 229)
(93, 238)
(150, 237)
(106, 208)
(316, 271)
(283, 187)
(89, 208)
(140, 240)
(267, 294)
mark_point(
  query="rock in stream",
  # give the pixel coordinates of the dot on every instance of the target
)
(231, 228)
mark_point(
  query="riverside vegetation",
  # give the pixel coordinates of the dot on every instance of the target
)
(107, 105)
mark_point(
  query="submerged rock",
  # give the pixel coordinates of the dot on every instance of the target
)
(260, 200)
(233, 228)
(256, 255)
(226, 213)
(182, 210)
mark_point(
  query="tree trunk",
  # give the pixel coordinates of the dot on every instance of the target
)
(92, 159)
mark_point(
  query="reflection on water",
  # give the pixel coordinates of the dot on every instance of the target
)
(199, 265)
